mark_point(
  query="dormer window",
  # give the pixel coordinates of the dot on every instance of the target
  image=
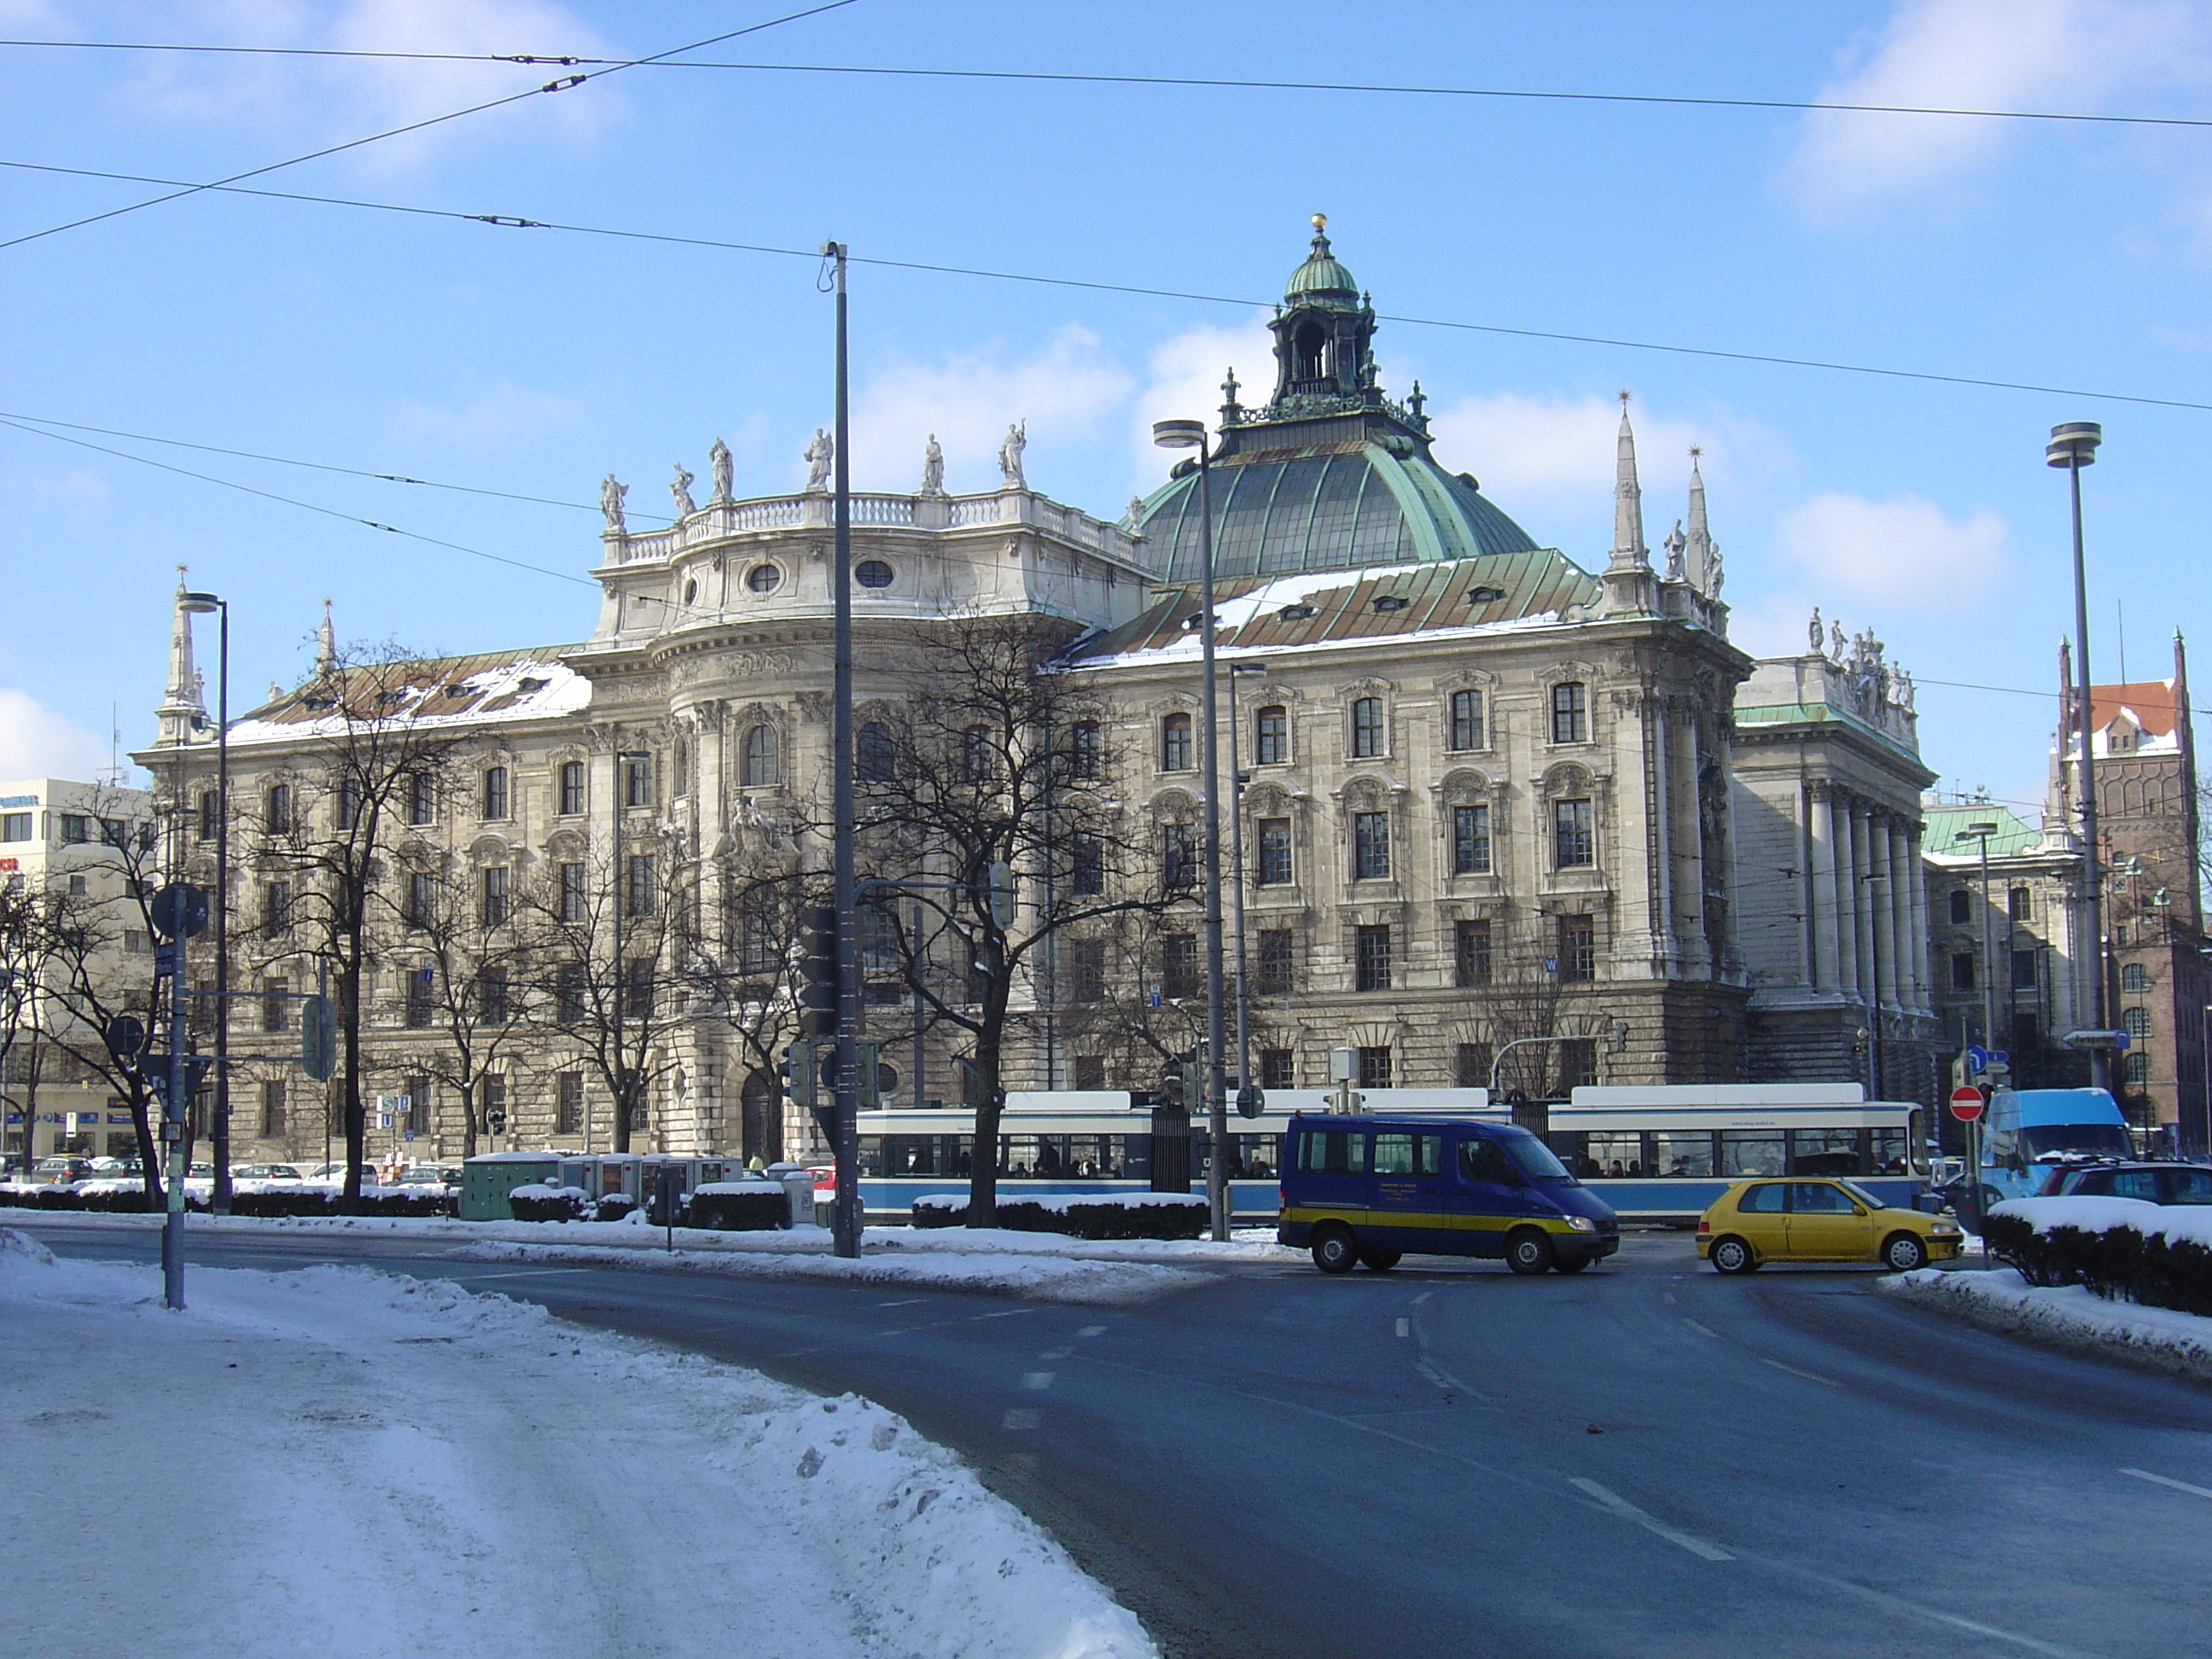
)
(1294, 613)
(1391, 602)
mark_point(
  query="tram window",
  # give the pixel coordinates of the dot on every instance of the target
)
(1826, 1152)
(1401, 1155)
(1606, 1156)
(1333, 1152)
(1888, 1149)
(1261, 1157)
(1683, 1153)
(1753, 1152)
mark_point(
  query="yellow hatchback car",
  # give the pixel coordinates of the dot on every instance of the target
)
(1755, 1222)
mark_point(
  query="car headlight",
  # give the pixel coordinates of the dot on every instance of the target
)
(1582, 1224)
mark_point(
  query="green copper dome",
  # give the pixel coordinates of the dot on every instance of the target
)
(1323, 277)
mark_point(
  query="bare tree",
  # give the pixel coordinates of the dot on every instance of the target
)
(990, 755)
(29, 939)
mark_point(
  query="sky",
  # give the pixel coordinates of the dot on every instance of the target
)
(530, 362)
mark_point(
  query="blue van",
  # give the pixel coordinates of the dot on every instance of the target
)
(1366, 1190)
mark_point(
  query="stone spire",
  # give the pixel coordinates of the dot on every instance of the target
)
(326, 644)
(1698, 549)
(1628, 547)
(182, 711)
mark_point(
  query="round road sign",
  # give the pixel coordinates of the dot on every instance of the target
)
(1966, 1104)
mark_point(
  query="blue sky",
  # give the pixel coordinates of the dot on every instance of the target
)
(534, 361)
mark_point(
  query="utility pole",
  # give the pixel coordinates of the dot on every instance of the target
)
(2073, 447)
(844, 1080)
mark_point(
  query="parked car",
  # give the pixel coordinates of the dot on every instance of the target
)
(336, 1173)
(61, 1168)
(428, 1175)
(2160, 1182)
(265, 1172)
(1756, 1222)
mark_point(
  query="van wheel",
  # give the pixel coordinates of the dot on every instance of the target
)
(1380, 1261)
(1333, 1249)
(1732, 1256)
(1528, 1251)
(1903, 1252)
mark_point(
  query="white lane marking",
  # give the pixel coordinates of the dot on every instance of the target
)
(1702, 1330)
(1017, 1419)
(1092, 1330)
(910, 1301)
(1809, 1377)
(1405, 1328)
(1056, 1353)
(1666, 1296)
(1011, 1313)
(526, 1272)
(1628, 1512)
(1036, 1379)
(1422, 1297)
(2162, 1480)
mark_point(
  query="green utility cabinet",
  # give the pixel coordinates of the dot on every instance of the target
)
(489, 1177)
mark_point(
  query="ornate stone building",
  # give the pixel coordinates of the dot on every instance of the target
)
(1489, 795)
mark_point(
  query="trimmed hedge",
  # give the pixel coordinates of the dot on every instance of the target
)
(614, 1206)
(548, 1203)
(307, 1201)
(737, 1213)
(1098, 1218)
(2117, 1263)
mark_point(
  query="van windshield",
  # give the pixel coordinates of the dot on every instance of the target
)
(2108, 1139)
(1536, 1161)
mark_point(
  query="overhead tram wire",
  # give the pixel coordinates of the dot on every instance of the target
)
(515, 221)
(562, 84)
(1207, 83)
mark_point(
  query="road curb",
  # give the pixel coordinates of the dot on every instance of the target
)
(1989, 1303)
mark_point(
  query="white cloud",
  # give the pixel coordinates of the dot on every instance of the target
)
(1902, 553)
(1560, 451)
(1183, 381)
(1063, 390)
(1979, 54)
(500, 410)
(35, 742)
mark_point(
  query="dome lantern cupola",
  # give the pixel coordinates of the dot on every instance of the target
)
(1323, 334)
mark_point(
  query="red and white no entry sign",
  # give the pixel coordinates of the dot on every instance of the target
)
(1966, 1104)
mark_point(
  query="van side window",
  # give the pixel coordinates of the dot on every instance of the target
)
(1485, 1160)
(1333, 1152)
(1765, 1199)
(1420, 1155)
(2190, 1186)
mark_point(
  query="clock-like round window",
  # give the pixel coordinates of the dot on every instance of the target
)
(872, 573)
(763, 579)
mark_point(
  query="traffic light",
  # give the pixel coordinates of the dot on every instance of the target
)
(818, 973)
(495, 1121)
(1183, 1082)
(999, 894)
(798, 1071)
(869, 1084)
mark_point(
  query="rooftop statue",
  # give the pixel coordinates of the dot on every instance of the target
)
(1814, 634)
(718, 463)
(819, 454)
(680, 487)
(1010, 453)
(611, 502)
(933, 469)
(1675, 544)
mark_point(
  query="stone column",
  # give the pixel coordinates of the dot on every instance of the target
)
(1902, 874)
(1840, 906)
(1689, 842)
(1662, 916)
(1880, 896)
(1863, 833)
(1924, 999)
(1820, 891)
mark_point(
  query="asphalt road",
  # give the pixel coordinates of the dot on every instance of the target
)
(1450, 1460)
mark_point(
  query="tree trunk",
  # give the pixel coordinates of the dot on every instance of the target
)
(468, 1121)
(149, 1146)
(356, 1123)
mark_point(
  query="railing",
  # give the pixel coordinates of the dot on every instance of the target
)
(813, 508)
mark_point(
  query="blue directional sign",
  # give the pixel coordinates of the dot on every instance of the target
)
(1978, 1059)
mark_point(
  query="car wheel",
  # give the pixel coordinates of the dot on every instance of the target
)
(1732, 1256)
(1569, 1264)
(1380, 1261)
(1333, 1249)
(1528, 1251)
(1903, 1252)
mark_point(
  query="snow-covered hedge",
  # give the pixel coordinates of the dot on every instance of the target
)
(289, 1201)
(738, 1206)
(614, 1207)
(1083, 1215)
(535, 1202)
(2122, 1249)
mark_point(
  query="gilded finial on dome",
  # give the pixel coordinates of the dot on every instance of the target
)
(1321, 221)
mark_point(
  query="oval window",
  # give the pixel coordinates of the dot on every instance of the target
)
(764, 579)
(872, 573)
(691, 592)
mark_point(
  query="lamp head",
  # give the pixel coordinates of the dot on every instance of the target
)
(2074, 444)
(199, 604)
(1179, 434)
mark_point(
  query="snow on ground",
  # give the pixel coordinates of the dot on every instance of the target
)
(2067, 1316)
(358, 1466)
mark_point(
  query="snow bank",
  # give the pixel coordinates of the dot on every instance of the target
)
(376, 1466)
(2067, 1317)
(2096, 1215)
(1059, 1203)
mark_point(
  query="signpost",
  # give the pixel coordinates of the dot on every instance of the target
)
(1966, 1104)
(178, 911)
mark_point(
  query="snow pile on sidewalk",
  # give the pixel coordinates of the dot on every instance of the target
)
(2066, 1316)
(349, 1464)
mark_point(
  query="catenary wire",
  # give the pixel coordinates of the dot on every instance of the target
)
(562, 84)
(1199, 82)
(517, 222)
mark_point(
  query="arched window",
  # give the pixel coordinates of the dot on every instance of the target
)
(873, 753)
(757, 769)
(279, 809)
(1366, 727)
(1569, 712)
(2019, 903)
(1175, 744)
(574, 792)
(2136, 1071)
(497, 798)
(1271, 737)
(2135, 1022)
(2134, 977)
(1962, 907)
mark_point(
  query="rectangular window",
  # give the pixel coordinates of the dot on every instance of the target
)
(14, 826)
(1175, 744)
(1274, 854)
(1471, 959)
(496, 795)
(422, 799)
(1271, 737)
(272, 1109)
(210, 815)
(349, 804)
(1333, 1152)
(1470, 841)
(1367, 739)
(640, 896)
(1370, 846)
(573, 790)
(1577, 1064)
(1370, 959)
(495, 905)
(115, 832)
(1276, 1068)
(1179, 857)
(2023, 970)
(1179, 976)
(637, 989)
(568, 993)
(1401, 1154)
(1570, 713)
(572, 906)
(1682, 1153)
(1089, 1072)
(1471, 1065)
(2020, 904)
(1083, 749)
(637, 781)
(491, 1101)
(1374, 1069)
(1275, 973)
(422, 898)
(275, 1008)
(1086, 865)
(1086, 974)
(1578, 948)
(77, 828)
(882, 944)
(1466, 723)
(418, 1105)
(279, 809)
(568, 1104)
(493, 1004)
(1573, 845)
(421, 993)
(277, 908)
(759, 950)
(1962, 970)
(1752, 1152)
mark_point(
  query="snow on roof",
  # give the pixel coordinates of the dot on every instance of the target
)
(495, 686)
(2135, 719)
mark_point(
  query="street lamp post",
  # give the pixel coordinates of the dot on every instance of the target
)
(1980, 832)
(2073, 447)
(1191, 435)
(1236, 878)
(219, 1135)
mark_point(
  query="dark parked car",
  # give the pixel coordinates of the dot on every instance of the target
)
(2158, 1183)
